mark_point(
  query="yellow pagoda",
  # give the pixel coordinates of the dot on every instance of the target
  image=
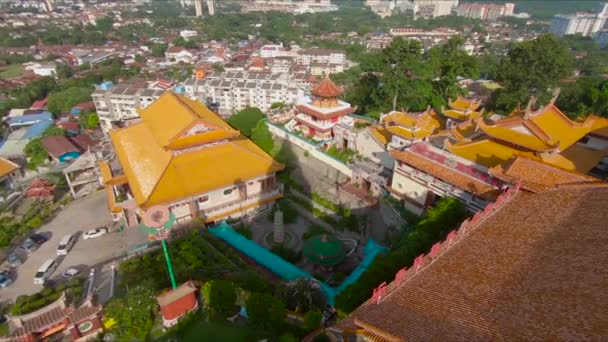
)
(183, 156)
(401, 129)
(546, 135)
(461, 110)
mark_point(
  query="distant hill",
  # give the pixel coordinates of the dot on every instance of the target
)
(548, 8)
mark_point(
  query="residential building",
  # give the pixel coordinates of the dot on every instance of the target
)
(48, 69)
(190, 162)
(318, 116)
(584, 23)
(80, 57)
(326, 56)
(516, 272)
(188, 34)
(271, 50)
(117, 105)
(485, 11)
(288, 6)
(235, 91)
(178, 54)
(433, 8)
(24, 128)
(601, 37)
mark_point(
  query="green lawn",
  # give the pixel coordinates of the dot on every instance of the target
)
(11, 71)
(3, 329)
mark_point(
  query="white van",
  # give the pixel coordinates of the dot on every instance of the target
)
(66, 244)
(45, 271)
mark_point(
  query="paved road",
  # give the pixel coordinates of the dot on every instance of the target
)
(78, 216)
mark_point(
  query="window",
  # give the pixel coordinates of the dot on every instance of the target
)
(203, 199)
(250, 183)
(227, 192)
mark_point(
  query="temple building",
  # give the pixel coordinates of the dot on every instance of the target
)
(530, 267)
(61, 320)
(184, 156)
(461, 110)
(546, 134)
(402, 129)
(458, 162)
(424, 173)
(177, 303)
(317, 117)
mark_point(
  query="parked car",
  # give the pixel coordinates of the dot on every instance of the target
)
(38, 239)
(93, 233)
(5, 279)
(13, 260)
(45, 271)
(66, 244)
(29, 245)
(70, 273)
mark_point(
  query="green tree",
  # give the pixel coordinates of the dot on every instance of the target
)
(419, 238)
(63, 101)
(35, 153)
(220, 297)
(158, 50)
(588, 95)
(262, 137)
(531, 68)
(313, 319)
(265, 311)
(64, 71)
(302, 295)
(449, 61)
(246, 120)
(133, 312)
(91, 120)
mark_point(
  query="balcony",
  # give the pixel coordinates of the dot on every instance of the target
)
(233, 205)
(320, 125)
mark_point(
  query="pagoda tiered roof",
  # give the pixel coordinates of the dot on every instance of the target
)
(327, 88)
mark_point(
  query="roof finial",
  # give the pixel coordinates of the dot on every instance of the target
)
(528, 111)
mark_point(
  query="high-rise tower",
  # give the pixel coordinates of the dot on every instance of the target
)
(211, 6)
(198, 6)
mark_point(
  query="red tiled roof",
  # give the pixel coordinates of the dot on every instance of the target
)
(40, 104)
(69, 125)
(83, 142)
(327, 88)
(533, 269)
(58, 145)
(177, 302)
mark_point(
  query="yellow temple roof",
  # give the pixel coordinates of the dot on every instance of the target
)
(172, 116)
(381, 135)
(461, 115)
(462, 104)
(157, 175)
(543, 130)
(7, 166)
(412, 125)
(464, 129)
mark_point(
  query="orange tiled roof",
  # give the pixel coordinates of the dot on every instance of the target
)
(446, 174)
(7, 166)
(534, 269)
(327, 88)
(536, 176)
